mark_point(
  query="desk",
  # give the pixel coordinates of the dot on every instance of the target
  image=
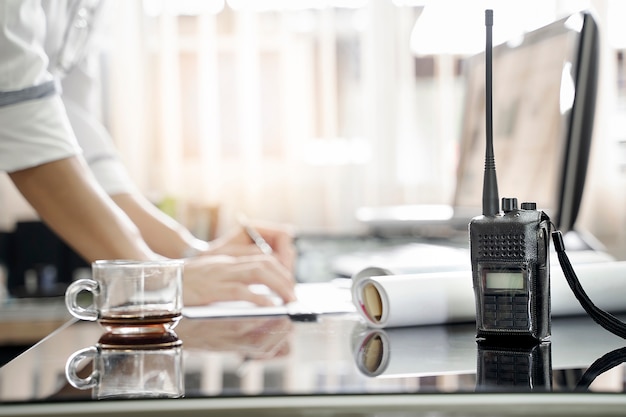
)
(26, 321)
(275, 366)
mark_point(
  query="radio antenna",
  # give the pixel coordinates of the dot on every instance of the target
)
(491, 200)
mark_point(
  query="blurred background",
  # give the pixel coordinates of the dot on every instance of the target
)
(302, 111)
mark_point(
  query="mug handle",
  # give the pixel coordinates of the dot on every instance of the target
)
(84, 313)
(71, 369)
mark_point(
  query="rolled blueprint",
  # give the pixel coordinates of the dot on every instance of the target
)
(383, 299)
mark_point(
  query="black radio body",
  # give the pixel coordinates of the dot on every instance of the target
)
(511, 272)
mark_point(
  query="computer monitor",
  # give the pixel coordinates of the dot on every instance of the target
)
(580, 125)
(544, 91)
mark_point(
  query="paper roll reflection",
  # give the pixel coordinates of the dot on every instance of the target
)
(372, 356)
(410, 351)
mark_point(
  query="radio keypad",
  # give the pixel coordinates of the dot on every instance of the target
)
(508, 310)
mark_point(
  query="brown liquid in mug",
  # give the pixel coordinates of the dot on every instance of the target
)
(129, 321)
(130, 318)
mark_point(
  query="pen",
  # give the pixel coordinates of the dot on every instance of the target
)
(255, 236)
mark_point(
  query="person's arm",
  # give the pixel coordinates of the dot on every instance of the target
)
(67, 198)
(163, 234)
(169, 238)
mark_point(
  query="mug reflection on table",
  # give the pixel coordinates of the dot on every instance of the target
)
(122, 372)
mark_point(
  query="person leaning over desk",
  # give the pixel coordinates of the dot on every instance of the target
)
(63, 162)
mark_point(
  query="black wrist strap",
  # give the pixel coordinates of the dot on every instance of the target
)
(604, 319)
(600, 366)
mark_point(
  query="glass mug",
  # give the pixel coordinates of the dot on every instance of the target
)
(122, 372)
(131, 296)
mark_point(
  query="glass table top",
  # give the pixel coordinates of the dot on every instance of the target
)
(330, 358)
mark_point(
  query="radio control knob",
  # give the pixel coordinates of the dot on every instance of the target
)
(509, 204)
(529, 206)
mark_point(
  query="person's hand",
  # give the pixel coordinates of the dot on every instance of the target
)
(209, 279)
(237, 242)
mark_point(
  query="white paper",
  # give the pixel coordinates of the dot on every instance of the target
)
(313, 298)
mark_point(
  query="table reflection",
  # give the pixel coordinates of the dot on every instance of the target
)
(438, 355)
(252, 339)
(411, 352)
(510, 366)
(606, 363)
(261, 356)
(128, 366)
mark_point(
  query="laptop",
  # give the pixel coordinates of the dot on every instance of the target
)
(544, 89)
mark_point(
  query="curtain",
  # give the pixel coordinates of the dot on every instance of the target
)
(297, 116)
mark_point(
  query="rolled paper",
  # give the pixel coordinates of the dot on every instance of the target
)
(386, 300)
(383, 299)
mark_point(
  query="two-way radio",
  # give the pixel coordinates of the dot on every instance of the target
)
(509, 250)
